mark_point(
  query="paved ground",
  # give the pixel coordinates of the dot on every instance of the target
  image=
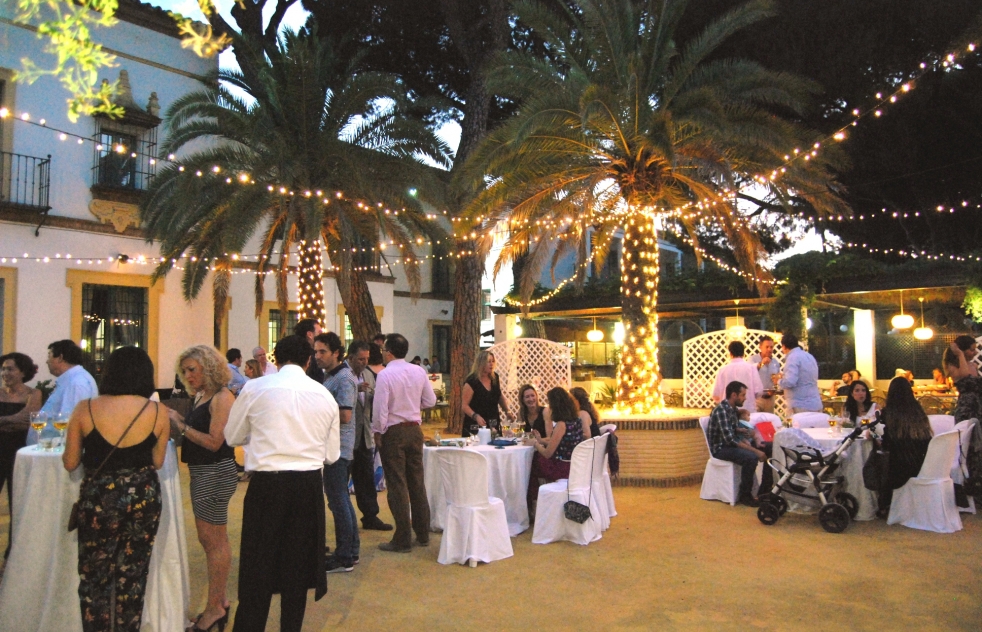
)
(669, 562)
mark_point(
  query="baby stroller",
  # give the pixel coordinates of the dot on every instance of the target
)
(811, 475)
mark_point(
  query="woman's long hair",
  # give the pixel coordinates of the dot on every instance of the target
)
(524, 413)
(563, 406)
(904, 417)
(583, 399)
(480, 363)
(852, 406)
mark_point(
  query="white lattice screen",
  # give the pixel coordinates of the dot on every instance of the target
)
(542, 363)
(703, 357)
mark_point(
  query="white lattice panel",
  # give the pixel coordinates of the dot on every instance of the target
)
(703, 357)
(542, 363)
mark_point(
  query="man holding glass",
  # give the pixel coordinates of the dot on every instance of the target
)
(74, 383)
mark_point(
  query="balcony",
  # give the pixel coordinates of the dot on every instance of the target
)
(25, 182)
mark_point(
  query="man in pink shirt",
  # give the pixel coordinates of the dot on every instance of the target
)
(401, 391)
(739, 370)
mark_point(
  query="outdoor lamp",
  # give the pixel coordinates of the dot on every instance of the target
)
(902, 320)
(922, 332)
(595, 335)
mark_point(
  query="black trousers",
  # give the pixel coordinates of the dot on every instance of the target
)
(282, 549)
(363, 477)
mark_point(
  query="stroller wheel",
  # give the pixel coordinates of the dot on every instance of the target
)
(834, 518)
(848, 501)
(767, 513)
(782, 505)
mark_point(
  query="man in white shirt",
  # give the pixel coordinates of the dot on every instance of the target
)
(289, 426)
(74, 382)
(739, 370)
(401, 391)
(267, 367)
(767, 368)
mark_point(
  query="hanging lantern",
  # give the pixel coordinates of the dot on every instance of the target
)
(902, 320)
(595, 335)
(922, 332)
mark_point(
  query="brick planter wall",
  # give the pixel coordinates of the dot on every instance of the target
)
(660, 452)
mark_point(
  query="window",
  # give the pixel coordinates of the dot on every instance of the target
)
(441, 272)
(440, 345)
(612, 264)
(486, 305)
(112, 317)
(117, 160)
(125, 154)
(277, 330)
(365, 257)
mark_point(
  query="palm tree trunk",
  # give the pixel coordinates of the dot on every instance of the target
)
(465, 334)
(639, 375)
(311, 288)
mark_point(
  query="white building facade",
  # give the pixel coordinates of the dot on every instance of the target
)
(74, 262)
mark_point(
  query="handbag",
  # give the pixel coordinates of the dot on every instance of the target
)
(578, 512)
(876, 470)
(73, 515)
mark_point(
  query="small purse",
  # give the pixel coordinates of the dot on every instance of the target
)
(73, 515)
(578, 512)
(876, 470)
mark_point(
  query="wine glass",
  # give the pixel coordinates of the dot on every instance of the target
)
(61, 425)
(38, 421)
(473, 430)
(832, 424)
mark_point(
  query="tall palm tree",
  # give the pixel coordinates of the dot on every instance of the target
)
(623, 130)
(304, 151)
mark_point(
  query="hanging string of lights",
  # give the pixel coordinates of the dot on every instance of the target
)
(941, 208)
(913, 254)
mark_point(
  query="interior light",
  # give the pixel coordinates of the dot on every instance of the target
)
(595, 335)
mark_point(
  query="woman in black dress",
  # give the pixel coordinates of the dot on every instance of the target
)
(17, 402)
(588, 412)
(907, 435)
(531, 412)
(482, 394)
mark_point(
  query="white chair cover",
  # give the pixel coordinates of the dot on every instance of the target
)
(941, 423)
(604, 429)
(810, 420)
(599, 491)
(608, 488)
(551, 524)
(927, 501)
(476, 527)
(959, 470)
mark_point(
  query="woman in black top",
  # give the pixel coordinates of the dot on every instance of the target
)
(588, 412)
(17, 402)
(119, 504)
(908, 433)
(211, 463)
(482, 394)
(858, 403)
(531, 413)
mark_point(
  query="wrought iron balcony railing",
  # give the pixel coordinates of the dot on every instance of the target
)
(25, 181)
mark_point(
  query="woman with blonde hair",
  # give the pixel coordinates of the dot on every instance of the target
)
(211, 462)
(482, 394)
(252, 370)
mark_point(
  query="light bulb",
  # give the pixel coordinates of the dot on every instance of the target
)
(902, 321)
(923, 333)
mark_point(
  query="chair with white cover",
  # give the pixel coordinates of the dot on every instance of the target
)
(598, 470)
(941, 424)
(927, 501)
(551, 524)
(476, 529)
(810, 420)
(608, 488)
(959, 470)
(721, 480)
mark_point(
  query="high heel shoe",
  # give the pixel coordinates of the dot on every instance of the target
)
(217, 626)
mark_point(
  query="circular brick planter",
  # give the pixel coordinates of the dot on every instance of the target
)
(660, 451)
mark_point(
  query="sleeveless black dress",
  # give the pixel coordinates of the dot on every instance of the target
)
(483, 403)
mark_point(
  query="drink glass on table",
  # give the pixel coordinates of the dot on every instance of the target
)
(61, 425)
(38, 421)
(832, 424)
(474, 428)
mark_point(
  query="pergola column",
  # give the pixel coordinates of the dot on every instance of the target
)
(865, 339)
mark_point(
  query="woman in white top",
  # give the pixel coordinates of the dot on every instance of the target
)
(858, 403)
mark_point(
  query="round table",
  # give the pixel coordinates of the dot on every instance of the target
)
(851, 467)
(40, 584)
(509, 469)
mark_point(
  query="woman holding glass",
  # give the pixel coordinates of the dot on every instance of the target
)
(211, 463)
(858, 403)
(17, 402)
(120, 437)
(482, 395)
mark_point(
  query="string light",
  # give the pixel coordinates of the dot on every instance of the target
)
(912, 254)
(311, 284)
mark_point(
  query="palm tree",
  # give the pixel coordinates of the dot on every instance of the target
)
(306, 152)
(621, 130)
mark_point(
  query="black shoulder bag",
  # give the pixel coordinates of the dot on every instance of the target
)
(578, 512)
(73, 516)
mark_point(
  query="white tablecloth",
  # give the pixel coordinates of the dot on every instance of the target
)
(851, 467)
(40, 584)
(508, 479)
